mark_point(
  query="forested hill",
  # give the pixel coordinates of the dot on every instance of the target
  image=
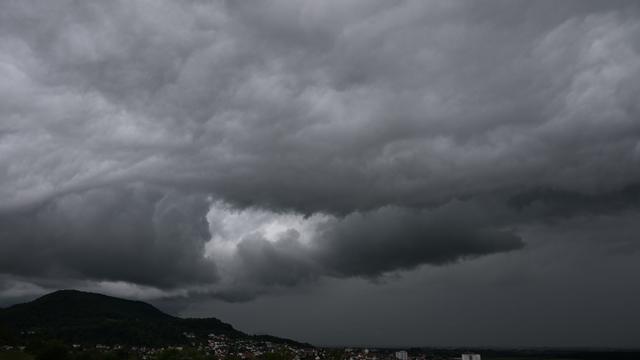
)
(87, 318)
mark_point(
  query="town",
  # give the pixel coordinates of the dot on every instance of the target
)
(215, 347)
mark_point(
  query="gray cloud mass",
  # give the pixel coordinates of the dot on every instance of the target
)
(232, 150)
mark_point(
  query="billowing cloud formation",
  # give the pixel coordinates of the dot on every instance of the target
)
(379, 136)
(284, 249)
(141, 236)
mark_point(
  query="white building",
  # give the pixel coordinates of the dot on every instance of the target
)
(471, 357)
(402, 355)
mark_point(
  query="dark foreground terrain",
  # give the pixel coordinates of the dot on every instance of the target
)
(58, 352)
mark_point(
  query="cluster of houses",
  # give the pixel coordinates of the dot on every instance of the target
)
(12, 348)
(223, 347)
(216, 346)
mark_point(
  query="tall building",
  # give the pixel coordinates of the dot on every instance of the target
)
(471, 357)
(402, 355)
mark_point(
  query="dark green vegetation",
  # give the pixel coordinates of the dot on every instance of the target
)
(15, 355)
(57, 351)
(75, 317)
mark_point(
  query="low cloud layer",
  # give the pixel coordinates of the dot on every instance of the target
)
(163, 148)
(136, 235)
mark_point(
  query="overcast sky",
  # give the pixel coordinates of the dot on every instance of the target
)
(339, 172)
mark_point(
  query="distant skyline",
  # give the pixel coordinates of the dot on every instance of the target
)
(407, 173)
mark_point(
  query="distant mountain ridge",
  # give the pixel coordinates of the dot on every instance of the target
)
(89, 318)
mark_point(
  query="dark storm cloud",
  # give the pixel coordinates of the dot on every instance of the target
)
(552, 203)
(420, 132)
(392, 239)
(369, 245)
(129, 234)
(574, 286)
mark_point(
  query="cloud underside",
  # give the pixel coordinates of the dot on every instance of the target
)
(163, 239)
(232, 149)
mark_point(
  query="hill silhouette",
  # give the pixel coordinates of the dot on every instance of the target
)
(88, 318)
